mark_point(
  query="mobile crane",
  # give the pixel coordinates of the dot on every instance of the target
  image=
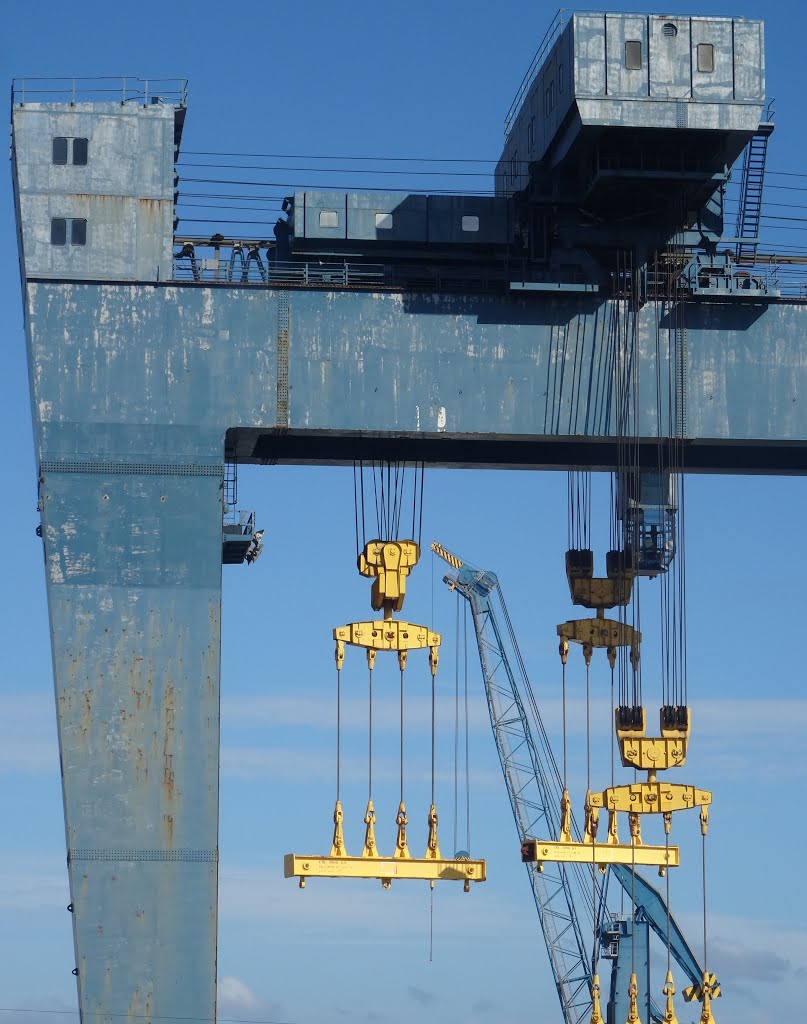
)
(563, 895)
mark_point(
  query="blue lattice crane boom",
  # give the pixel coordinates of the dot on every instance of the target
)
(534, 785)
(562, 892)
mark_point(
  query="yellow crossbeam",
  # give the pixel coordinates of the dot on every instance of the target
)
(538, 850)
(295, 866)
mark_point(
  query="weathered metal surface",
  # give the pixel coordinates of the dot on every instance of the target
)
(135, 383)
(125, 191)
(584, 82)
(133, 571)
(163, 372)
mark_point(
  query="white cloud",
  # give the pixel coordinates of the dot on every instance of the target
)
(236, 998)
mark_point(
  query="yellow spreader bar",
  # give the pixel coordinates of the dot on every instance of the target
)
(386, 870)
(538, 851)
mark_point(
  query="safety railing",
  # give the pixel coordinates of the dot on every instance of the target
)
(252, 267)
(547, 43)
(100, 89)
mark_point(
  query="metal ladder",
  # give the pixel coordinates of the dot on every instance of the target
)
(751, 195)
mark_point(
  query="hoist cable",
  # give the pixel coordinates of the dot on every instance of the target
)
(433, 734)
(456, 725)
(338, 732)
(356, 509)
(667, 876)
(563, 686)
(703, 862)
(467, 743)
(370, 773)
(402, 735)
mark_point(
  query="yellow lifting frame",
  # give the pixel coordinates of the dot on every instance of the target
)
(385, 869)
(538, 850)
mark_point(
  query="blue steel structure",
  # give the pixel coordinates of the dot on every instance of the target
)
(150, 367)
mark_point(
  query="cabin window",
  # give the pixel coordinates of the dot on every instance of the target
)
(78, 231)
(669, 30)
(383, 221)
(328, 219)
(63, 146)
(633, 55)
(560, 78)
(706, 57)
(58, 231)
(470, 223)
(60, 151)
(549, 99)
(80, 149)
(531, 134)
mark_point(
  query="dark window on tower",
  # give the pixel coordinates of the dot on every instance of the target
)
(78, 231)
(706, 57)
(560, 78)
(633, 55)
(60, 151)
(58, 231)
(80, 147)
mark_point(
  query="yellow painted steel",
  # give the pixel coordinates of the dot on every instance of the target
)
(599, 632)
(669, 991)
(386, 635)
(708, 990)
(596, 1010)
(539, 851)
(633, 997)
(453, 560)
(388, 563)
(651, 797)
(652, 753)
(385, 869)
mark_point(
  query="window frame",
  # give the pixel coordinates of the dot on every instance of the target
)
(86, 147)
(78, 231)
(705, 47)
(630, 64)
(58, 235)
(60, 139)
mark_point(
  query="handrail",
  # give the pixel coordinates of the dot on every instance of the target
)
(552, 34)
(100, 89)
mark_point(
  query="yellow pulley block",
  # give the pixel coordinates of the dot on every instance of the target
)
(598, 592)
(652, 753)
(388, 563)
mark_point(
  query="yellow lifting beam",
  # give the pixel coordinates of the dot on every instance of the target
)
(387, 635)
(538, 850)
(467, 871)
(599, 632)
(651, 797)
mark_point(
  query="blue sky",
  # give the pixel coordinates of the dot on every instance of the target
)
(428, 81)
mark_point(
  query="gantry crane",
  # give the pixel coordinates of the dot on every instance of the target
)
(563, 895)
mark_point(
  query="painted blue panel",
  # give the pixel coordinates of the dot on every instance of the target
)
(134, 593)
(196, 361)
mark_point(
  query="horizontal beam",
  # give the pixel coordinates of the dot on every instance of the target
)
(386, 869)
(537, 851)
(259, 446)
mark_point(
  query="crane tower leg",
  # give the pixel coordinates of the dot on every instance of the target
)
(133, 564)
